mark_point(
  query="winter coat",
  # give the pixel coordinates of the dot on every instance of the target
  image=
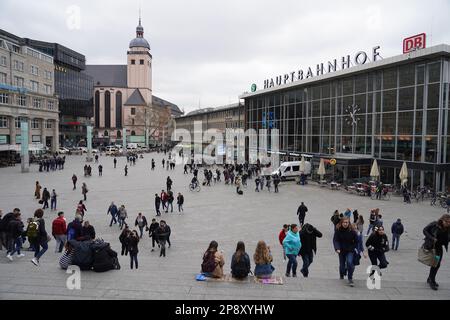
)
(59, 226)
(77, 227)
(308, 237)
(45, 195)
(302, 210)
(133, 244)
(152, 229)
(281, 236)
(244, 262)
(143, 222)
(220, 262)
(377, 243)
(15, 228)
(180, 199)
(88, 233)
(123, 213)
(292, 243)
(162, 233)
(113, 210)
(435, 237)
(345, 240)
(397, 228)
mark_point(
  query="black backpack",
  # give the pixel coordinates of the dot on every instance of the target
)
(209, 262)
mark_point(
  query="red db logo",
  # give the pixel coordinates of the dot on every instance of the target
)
(413, 43)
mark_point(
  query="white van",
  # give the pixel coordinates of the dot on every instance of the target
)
(132, 146)
(110, 150)
(291, 169)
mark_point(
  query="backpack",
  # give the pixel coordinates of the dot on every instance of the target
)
(71, 234)
(209, 262)
(33, 230)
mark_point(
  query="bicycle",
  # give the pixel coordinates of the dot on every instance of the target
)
(194, 187)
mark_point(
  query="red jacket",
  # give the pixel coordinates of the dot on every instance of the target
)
(164, 196)
(59, 226)
(281, 236)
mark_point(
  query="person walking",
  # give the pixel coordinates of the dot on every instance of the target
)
(308, 238)
(170, 199)
(397, 230)
(377, 244)
(276, 182)
(45, 198)
(301, 212)
(164, 200)
(163, 162)
(74, 181)
(185, 169)
(37, 190)
(180, 202)
(169, 183)
(360, 224)
(124, 238)
(292, 245)
(335, 219)
(281, 237)
(162, 233)
(268, 183)
(372, 221)
(122, 216)
(115, 162)
(53, 198)
(14, 230)
(152, 233)
(133, 241)
(345, 241)
(157, 204)
(153, 164)
(257, 182)
(81, 208)
(240, 262)
(100, 170)
(59, 231)
(141, 222)
(437, 237)
(39, 237)
(113, 211)
(126, 170)
(84, 190)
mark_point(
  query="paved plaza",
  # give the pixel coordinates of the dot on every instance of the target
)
(215, 213)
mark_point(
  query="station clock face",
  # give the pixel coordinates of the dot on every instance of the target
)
(352, 114)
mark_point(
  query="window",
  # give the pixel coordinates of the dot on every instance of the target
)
(22, 101)
(34, 70)
(34, 86)
(133, 111)
(141, 61)
(35, 124)
(132, 122)
(133, 61)
(3, 122)
(17, 123)
(19, 82)
(51, 105)
(3, 61)
(48, 75)
(18, 65)
(3, 77)
(48, 124)
(48, 89)
(37, 103)
(4, 98)
(133, 133)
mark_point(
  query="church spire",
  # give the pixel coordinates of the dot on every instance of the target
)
(139, 28)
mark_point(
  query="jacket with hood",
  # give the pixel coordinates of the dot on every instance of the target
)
(397, 228)
(308, 237)
(292, 243)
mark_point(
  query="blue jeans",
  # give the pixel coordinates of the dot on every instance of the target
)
(395, 240)
(292, 264)
(346, 265)
(307, 260)
(17, 245)
(121, 223)
(371, 226)
(133, 257)
(113, 219)
(53, 204)
(39, 253)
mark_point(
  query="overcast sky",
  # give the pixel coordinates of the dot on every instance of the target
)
(208, 52)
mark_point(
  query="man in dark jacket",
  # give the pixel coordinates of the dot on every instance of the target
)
(113, 211)
(75, 229)
(345, 241)
(301, 212)
(45, 198)
(157, 204)
(397, 230)
(437, 236)
(308, 237)
(88, 231)
(163, 233)
(152, 233)
(4, 238)
(15, 231)
(180, 201)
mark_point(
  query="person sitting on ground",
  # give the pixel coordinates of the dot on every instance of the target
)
(88, 231)
(213, 261)
(263, 261)
(240, 262)
(66, 259)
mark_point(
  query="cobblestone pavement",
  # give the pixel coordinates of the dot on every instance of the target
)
(215, 213)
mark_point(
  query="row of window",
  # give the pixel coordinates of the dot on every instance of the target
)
(20, 82)
(35, 123)
(21, 100)
(34, 70)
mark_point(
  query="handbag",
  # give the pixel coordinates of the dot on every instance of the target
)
(356, 258)
(427, 257)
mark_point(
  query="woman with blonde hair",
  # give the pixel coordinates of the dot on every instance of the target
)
(263, 261)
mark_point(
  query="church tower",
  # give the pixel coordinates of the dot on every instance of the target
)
(139, 64)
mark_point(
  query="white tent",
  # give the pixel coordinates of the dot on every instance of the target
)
(403, 174)
(375, 172)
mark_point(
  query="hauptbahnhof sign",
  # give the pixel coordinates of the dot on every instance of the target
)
(334, 65)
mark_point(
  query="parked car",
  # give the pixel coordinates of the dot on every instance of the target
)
(63, 150)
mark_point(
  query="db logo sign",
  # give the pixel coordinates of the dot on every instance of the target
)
(413, 43)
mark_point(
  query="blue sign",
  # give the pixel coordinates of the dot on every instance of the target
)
(271, 120)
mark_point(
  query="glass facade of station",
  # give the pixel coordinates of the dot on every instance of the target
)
(396, 114)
